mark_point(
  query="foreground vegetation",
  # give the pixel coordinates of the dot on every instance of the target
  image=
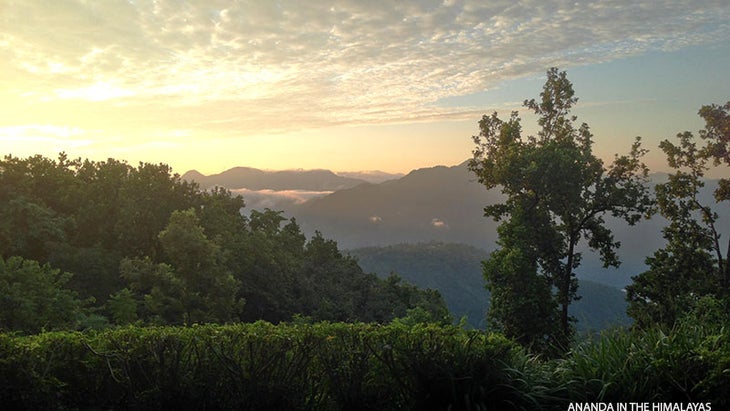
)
(330, 366)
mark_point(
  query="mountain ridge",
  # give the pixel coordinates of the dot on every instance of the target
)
(242, 177)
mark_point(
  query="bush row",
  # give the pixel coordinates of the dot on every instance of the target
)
(351, 366)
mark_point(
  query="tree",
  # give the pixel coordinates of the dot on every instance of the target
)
(271, 258)
(123, 307)
(30, 229)
(209, 289)
(327, 281)
(33, 297)
(157, 291)
(100, 201)
(692, 264)
(192, 285)
(146, 199)
(522, 305)
(557, 194)
(717, 136)
(35, 196)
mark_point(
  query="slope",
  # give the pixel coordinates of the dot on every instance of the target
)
(455, 270)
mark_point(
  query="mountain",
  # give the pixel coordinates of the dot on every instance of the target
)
(452, 269)
(430, 204)
(255, 179)
(455, 270)
(600, 306)
(445, 204)
(441, 204)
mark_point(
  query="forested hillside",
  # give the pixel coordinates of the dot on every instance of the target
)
(88, 244)
(455, 270)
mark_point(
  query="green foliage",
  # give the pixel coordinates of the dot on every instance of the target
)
(123, 307)
(208, 290)
(261, 366)
(30, 228)
(693, 263)
(521, 306)
(688, 363)
(557, 193)
(142, 215)
(33, 297)
(332, 366)
(717, 135)
(145, 246)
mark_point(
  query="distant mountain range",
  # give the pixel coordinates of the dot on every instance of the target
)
(436, 204)
(430, 204)
(306, 180)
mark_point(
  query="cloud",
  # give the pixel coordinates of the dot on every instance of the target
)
(45, 134)
(96, 92)
(276, 199)
(438, 223)
(271, 66)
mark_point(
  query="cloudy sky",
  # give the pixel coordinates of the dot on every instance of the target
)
(344, 85)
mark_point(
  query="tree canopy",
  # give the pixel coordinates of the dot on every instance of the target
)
(557, 194)
(117, 244)
(694, 262)
(33, 297)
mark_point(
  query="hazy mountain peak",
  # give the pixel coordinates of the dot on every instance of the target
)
(255, 179)
(192, 175)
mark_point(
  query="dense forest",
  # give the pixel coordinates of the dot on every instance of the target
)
(89, 244)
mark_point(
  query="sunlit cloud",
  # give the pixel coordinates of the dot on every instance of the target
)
(96, 92)
(438, 223)
(276, 199)
(273, 66)
(295, 196)
(45, 134)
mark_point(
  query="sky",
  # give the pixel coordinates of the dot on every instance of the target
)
(343, 85)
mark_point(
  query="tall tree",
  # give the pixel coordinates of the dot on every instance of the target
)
(557, 194)
(717, 135)
(694, 262)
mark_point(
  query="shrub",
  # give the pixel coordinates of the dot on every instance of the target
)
(324, 366)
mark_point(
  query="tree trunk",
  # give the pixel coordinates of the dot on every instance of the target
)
(565, 291)
(726, 278)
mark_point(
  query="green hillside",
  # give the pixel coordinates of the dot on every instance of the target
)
(455, 271)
